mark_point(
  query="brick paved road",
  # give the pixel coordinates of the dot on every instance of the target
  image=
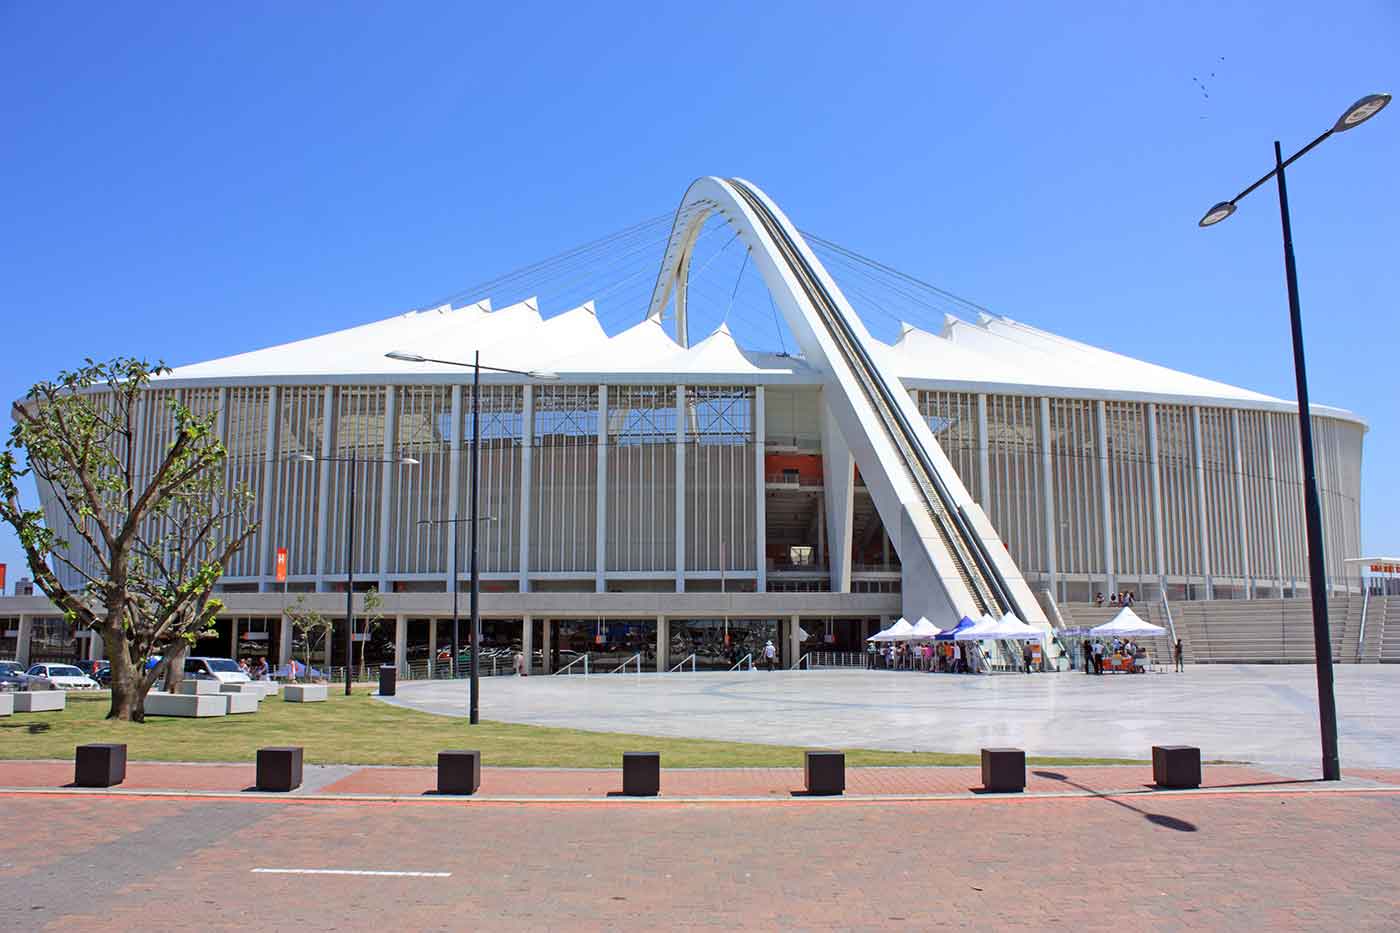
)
(1261, 861)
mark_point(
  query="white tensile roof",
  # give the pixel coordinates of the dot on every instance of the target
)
(991, 354)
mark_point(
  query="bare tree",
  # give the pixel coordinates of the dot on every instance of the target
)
(145, 546)
(312, 626)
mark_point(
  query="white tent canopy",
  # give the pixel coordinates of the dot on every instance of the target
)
(924, 628)
(1126, 623)
(1013, 629)
(900, 631)
(983, 630)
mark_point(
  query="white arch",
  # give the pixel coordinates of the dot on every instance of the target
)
(932, 584)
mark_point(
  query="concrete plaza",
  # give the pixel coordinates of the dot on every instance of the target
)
(1265, 714)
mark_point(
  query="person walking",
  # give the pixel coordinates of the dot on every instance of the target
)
(1088, 658)
(769, 654)
(1177, 651)
(870, 649)
(261, 671)
(1098, 657)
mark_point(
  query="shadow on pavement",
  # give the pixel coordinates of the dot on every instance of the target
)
(1157, 819)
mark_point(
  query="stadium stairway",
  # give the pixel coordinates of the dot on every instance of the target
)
(1388, 638)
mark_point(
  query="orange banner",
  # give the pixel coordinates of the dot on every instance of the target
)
(281, 565)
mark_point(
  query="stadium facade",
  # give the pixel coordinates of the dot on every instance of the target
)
(648, 490)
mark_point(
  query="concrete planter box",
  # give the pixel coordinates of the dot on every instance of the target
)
(40, 701)
(190, 706)
(189, 688)
(251, 690)
(305, 693)
(267, 688)
(235, 703)
(7, 704)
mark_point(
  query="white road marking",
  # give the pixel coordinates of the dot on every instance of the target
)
(352, 871)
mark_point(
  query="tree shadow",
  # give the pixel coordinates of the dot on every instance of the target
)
(1156, 819)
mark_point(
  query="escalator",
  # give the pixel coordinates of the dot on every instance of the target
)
(985, 585)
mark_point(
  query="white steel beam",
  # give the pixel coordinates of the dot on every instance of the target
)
(1202, 528)
(527, 473)
(1047, 492)
(760, 431)
(680, 488)
(601, 540)
(1105, 495)
(454, 490)
(388, 485)
(266, 572)
(323, 492)
(1241, 513)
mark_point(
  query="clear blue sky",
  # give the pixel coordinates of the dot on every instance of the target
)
(184, 181)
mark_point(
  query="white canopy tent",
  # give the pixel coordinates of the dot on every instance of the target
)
(924, 629)
(900, 631)
(1013, 629)
(1126, 624)
(983, 630)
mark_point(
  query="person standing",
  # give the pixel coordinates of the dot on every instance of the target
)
(1088, 658)
(769, 654)
(870, 649)
(1177, 651)
(1098, 657)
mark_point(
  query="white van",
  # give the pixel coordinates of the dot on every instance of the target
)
(224, 670)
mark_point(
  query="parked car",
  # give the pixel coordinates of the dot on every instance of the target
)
(63, 676)
(224, 670)
(100, 671)
(13, 677)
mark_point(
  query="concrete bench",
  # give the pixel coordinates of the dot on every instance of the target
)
(641, 774)
(252, 690)
(7, 704)
(305, 693)
(189, 706)
(189, 688)
(235, 703)
(40, 701)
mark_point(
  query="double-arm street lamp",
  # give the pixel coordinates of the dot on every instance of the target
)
(350, 545)
(476, 367)
(1355, 115)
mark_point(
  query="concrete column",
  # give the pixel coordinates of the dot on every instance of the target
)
(527, 473)
(601, 540)
(1241, 513)
(284, 640)
(1105, 495)
(323, 496)
(233, 637)
(454, 486)
(26, 632)
(1273, 510)
(401, 643)
(527, 640)
(388, 482)
(680, 488)
(432, 647)
(547, 645)
(794, 642)
(1155, 477)
(838, 480)
(1047, 482)
(663, 644)
(984, 460)
(760, 435)
(1202, 529)
(268, 495)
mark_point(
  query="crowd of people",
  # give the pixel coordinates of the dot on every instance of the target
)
(259, 671)
(948, 657)
(1125, 598)
(1096, 653)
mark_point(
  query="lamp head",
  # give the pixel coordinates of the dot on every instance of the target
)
(406, 460)
(406, 357)
(302, 458)
(1361, 111)
(545, 375)
(1217, 213)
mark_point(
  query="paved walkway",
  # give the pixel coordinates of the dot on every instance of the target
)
(594, 784)
(1265, 713)
(1319, 861)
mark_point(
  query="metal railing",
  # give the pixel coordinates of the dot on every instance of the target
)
(746, 659)
(1167, 609)
(814, 660)
(581, 658)
(1361, 633)
(622, 668)
(690, 658)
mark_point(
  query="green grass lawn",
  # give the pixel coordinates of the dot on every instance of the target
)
(358, 730)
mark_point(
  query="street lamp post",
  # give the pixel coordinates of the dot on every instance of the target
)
(476, 366)
(1355, 115)
(350, 547)
(454, 522)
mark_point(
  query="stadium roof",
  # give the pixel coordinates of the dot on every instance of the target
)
(992, 354)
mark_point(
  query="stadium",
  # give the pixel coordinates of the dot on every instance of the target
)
(722, 430)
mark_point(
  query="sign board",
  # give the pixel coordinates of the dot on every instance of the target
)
(254, 636)
(1375, 568)
(281, 565)
(357, 637)
(2, 579)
